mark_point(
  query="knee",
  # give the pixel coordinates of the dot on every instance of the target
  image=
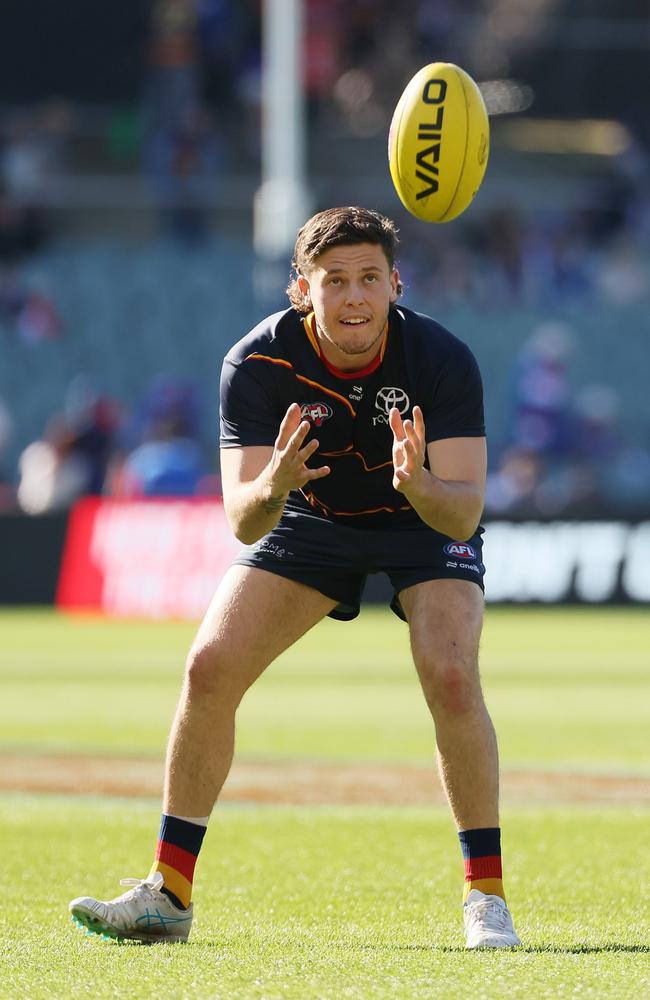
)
(451, 684)
(208, 674)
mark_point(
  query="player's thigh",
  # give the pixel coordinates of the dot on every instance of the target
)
(253, 617)
(445, 619)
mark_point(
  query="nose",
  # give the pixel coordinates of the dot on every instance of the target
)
(355, 294)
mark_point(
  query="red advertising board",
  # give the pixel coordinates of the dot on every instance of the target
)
(146, 558)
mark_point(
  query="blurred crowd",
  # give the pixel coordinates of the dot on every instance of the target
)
(540, 259)
(95, 446)
(563, 453)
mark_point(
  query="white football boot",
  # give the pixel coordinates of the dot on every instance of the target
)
(143, 913)
(488, 923)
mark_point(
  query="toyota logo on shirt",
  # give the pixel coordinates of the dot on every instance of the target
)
(388, 397)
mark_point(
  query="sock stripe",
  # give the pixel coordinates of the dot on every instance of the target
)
(482, 861)
(483, 843)
(479, 868)
(490, 886)
(177, 858)
(180, 833)
(179, 843)
(174, 881)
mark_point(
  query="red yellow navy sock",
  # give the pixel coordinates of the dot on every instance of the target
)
(179, 843)
(482, 855)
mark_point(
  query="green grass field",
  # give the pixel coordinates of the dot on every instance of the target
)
(327, 903)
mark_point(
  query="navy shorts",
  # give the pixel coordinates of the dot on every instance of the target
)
(336, 560)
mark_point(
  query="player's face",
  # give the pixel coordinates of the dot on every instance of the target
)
(350, 289)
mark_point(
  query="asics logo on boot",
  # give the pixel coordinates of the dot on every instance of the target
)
(157, 920)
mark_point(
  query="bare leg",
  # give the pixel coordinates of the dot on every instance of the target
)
(254, 616)
(445, 620)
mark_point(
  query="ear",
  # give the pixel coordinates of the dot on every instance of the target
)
(394, 282)
(303, 285)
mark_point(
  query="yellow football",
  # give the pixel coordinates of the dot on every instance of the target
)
(439, 142)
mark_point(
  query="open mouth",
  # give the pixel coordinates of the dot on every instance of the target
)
(355, 321)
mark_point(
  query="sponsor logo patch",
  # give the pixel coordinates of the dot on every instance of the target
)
(316, 413)
(388, 397)
(461, 550)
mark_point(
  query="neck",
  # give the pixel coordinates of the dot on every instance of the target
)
(348, 362)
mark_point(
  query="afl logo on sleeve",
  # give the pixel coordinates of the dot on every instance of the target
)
(388, 397)
(316, 413)
(461, 550)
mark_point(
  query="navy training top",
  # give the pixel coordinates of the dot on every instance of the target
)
(280, 362)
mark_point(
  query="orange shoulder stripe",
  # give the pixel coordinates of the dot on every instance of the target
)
(303, 378)
(384, 343)
(309, 330)
(330, 392)
(264, 357)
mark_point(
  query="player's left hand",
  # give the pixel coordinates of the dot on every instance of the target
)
(409, 449)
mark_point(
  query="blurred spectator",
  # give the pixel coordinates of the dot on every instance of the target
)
(6, 430)
(168, 399)
(596, 436)
(168, 459)
(92, 422)
(34, 149)
(624, 275)
(28, 313)
(511, 488)
(181, 147)
(540, 419)
(71, 459)
(22, 229)
(172, 82)
(31, 151)
(322, 43)
(50, 477)
(168, 464)
(181, 158)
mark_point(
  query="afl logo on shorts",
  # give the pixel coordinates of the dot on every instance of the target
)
(316, 413)
(461, 550)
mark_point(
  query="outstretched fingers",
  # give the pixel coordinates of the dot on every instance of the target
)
(291, 454)
(418, 420)
(290, 424)
(396, 425)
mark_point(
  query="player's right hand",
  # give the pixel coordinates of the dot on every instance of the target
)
(289, 461)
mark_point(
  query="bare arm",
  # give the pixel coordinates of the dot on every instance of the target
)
(256, 481)
(450, 497)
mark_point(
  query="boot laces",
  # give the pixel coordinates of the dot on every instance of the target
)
(143, 886)
(488, 912)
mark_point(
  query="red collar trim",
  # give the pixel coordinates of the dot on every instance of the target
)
(368, 370)
(371, 367)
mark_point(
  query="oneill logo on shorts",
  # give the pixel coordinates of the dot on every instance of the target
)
(271, 549)
(461, 550)
(388, 397)
(316, 413)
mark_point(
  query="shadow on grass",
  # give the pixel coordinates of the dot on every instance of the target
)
(609, 947)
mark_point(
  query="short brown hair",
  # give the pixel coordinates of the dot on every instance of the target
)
(339, 227)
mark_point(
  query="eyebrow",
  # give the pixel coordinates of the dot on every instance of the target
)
(340, 270)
